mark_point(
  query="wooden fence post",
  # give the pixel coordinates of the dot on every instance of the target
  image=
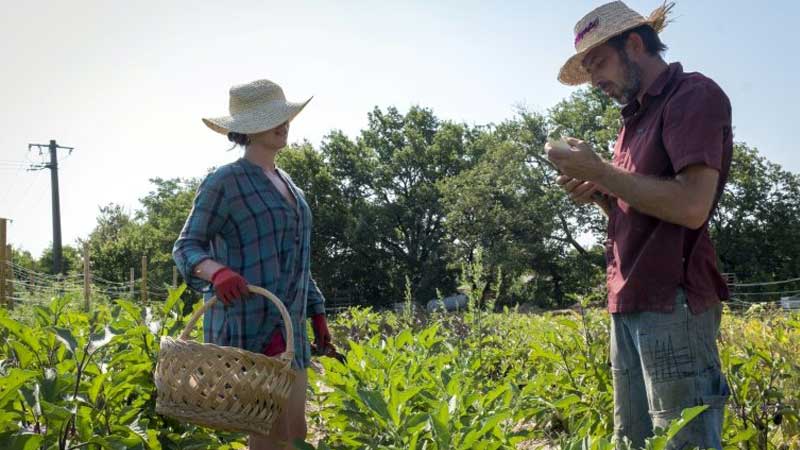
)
(7, 279)
(87, 277)
(144, 279)
(133, 284)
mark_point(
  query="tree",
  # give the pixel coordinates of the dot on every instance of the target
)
(23, 258)
(164, 211)
(590, 115)
(334, 264)
(757, 222)
(71, 260)
(413, 197)
(379, 219)
(509, 206)
(111, 251)
(120, 239)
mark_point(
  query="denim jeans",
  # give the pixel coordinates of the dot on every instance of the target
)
(663, 363)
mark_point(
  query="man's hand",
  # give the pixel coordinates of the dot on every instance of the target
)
(581, 192)
(579, 163)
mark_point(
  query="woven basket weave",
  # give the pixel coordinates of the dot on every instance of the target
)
(225, 388)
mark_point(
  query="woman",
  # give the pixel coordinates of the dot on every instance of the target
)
(250, 224)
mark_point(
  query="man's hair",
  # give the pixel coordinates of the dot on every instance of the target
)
(652, 43)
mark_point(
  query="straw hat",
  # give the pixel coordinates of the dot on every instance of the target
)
(602, 24)
(255, 107)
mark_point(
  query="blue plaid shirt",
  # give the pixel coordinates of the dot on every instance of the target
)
(241, 220)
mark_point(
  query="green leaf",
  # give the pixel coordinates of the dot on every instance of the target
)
(374, 402)
(489, 425)
(137, 429)
(491, 422)
(114, 442)
(100, 340)
(32, 398)
(172, 299)
(20, 441)
(42, 316)
(97, 384)
(416, 423)
(66, 337)
(687, 415)
(494, 393)
(23, 353)
(440, 424)
(11, 383)
(153, 442)
(567, 401)
(53, 387)
(84, 422)
(56, 412)
(404, 338)
(134, 311)
(742, 436)
(25, 335)
(9, 420)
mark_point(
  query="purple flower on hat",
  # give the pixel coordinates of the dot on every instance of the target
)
(591, 26)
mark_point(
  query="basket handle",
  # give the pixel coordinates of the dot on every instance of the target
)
(288, 355)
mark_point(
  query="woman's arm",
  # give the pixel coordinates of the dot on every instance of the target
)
(191, 251)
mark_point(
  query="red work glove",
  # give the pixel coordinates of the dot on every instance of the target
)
(323, 345)
(322, 337)
(276, 345)
(229, 285)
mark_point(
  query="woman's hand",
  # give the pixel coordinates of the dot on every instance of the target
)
(323, 344)
(229, 285)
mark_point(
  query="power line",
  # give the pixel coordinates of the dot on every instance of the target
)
(766, 283)
(768, 293)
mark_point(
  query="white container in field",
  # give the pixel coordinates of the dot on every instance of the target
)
(790, 302)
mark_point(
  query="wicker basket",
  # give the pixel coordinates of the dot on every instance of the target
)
(224, 388)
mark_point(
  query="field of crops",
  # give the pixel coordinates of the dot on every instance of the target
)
(476, 380)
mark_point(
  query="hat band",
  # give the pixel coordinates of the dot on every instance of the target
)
(582, 34)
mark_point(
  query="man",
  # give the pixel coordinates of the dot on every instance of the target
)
(671, 161)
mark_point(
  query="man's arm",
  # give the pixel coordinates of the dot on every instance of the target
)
(685, 200)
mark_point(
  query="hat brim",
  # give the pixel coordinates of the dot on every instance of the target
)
(258, 120)
(572, 73)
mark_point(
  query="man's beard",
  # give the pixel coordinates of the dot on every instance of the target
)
(632, 82)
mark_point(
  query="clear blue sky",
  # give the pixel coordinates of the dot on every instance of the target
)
(126, 83)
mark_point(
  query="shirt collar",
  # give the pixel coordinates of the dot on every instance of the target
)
(252, 167)
(656, 88)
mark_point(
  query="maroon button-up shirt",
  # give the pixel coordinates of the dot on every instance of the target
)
(684, 119)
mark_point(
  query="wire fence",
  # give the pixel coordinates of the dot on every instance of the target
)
(28, 286)
(785, 293)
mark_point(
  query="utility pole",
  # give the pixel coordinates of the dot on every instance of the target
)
(58, 266)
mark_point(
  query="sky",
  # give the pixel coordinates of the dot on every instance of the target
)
(126, 83)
